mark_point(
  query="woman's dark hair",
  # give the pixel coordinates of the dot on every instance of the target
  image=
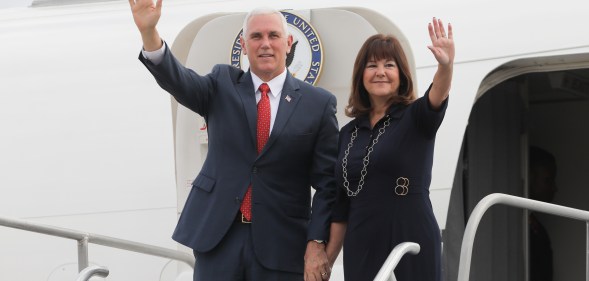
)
(377, 47)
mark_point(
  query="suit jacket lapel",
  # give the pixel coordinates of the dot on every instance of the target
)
(246, 91)
(288, 101)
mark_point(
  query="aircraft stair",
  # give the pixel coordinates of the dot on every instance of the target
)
(386, 273)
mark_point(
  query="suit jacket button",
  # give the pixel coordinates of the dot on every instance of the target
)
(255, 170)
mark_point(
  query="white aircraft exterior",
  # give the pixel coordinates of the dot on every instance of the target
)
(88, 141)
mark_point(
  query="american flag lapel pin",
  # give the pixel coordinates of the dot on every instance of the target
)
(287, 98)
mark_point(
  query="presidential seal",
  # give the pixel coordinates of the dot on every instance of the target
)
(306, 55)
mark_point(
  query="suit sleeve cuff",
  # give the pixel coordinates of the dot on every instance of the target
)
(156, 56)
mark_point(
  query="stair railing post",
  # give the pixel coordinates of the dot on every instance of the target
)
(83, 253)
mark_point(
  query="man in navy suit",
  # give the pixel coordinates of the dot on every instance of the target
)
(283, 236)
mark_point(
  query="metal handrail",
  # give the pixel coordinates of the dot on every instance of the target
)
(83, 238)
(92, 271)
(514, 201)
(386, 271)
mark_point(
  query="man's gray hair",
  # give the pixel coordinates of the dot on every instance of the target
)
(264, 11)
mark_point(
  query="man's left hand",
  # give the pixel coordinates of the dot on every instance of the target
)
(316, 262)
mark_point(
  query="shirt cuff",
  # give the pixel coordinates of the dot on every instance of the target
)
(156, 56)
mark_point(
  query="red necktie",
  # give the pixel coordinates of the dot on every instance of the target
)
(262, 137)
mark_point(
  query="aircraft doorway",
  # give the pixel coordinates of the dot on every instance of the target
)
(542, 102)
(558, 107)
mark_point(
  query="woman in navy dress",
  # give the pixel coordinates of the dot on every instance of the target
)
(385, 161)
